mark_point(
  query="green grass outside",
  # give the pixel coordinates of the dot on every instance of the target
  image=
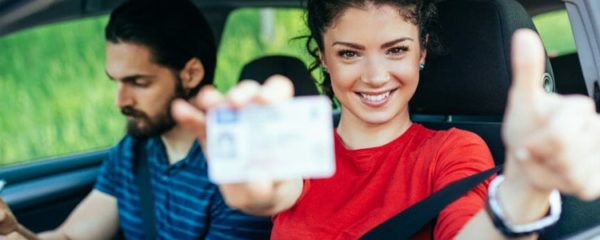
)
(55, 98)
(555, 31)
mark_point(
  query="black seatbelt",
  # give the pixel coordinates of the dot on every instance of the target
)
(142, 179)
(408, 222)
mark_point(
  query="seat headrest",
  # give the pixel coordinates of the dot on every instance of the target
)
(472, 74)
(293, 68)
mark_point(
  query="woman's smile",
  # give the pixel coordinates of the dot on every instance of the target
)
(375, 99)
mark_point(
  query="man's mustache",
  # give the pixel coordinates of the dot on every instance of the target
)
(129, 111)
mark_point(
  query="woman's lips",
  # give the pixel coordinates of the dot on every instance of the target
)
(375, 99)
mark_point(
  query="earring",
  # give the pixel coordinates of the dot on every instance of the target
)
(422, 66)
(324, 70)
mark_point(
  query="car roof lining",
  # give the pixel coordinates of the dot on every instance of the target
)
(21, 14)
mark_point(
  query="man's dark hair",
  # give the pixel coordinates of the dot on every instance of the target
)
(175, 31)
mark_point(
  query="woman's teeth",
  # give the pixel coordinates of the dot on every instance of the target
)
(375, 98)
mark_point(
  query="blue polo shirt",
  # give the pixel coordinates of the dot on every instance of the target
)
(188, 205)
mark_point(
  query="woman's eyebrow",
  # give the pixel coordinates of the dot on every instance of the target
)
(351, 45)
(393, 42)
(385, 45)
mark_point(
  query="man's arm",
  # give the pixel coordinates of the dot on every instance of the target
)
(96, 217)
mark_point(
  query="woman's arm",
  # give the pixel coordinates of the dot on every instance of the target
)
(551, 143)
(521, 203)
(260, 197)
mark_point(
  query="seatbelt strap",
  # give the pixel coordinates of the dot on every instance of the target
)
(408, 222)
(144, 184)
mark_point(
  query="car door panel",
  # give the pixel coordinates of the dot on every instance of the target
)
(42, 194)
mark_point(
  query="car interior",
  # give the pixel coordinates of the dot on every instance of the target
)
(465, 86)
(567, 68)
(293, 68)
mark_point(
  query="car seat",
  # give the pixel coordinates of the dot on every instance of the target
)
(466, 86)
(261, 68)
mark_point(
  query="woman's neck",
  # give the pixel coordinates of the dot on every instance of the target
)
(357, 134)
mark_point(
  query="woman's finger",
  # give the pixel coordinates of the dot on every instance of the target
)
(244, 93)
(190, 117)
(276, 88)
(208, 98)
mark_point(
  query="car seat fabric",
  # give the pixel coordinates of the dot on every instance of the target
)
(468, 81)
(472, 74)
(467, 84)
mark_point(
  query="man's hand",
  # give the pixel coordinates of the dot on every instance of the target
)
(551, 141)
(261, 196)
(8, 222)
(10, 227)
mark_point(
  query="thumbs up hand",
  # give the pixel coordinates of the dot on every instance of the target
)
(551, 141)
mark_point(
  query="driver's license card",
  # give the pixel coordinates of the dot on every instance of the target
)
(290, 139)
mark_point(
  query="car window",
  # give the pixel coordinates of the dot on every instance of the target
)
(555, 30)
(252, 32)
(56, 98)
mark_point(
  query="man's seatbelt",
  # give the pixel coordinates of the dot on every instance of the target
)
(142, 180)
(408, 222)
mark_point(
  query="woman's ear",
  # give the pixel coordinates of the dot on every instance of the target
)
(424, 50)
(423, 55)
(192, 74)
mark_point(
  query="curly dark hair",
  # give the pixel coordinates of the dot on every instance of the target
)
(320, 15)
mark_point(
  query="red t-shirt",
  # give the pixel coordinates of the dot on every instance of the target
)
(371, 185)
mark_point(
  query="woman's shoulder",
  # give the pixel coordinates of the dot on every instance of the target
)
(457, 153)
(453, 146)
(451, 137)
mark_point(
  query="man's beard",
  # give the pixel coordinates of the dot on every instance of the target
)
(161, 123)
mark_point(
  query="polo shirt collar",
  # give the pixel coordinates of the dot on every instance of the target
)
(157, 154)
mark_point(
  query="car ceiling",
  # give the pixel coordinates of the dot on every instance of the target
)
(20, 14)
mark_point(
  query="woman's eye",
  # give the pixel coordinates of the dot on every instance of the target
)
(397, 50)
(347, 54)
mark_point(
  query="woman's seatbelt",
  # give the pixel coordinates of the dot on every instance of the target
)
(408, 222)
